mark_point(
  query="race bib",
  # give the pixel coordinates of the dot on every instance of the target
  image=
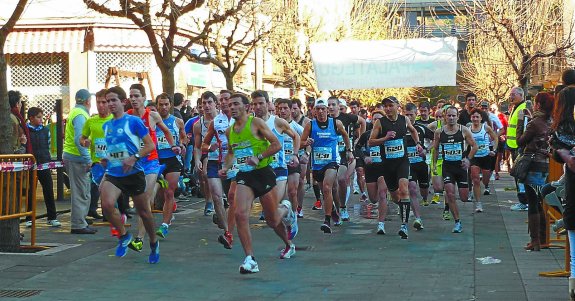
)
(233, 171)
(413, 155)
(242, 155)
(288, 149)
(340, 144)
(483, 148)
(100, 147)
(394, 148)
(375, 154)
(116, 154)
(215, 155)
(322, 155)
(452, 152)
(163, 142)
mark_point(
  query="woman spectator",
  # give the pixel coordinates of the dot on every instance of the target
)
(534, 141)
(563, 142)
(21, 141)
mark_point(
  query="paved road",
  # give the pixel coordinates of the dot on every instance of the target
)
(353, 263)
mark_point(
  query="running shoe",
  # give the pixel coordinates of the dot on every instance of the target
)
(478, 207)
(487, 191)
(137, 244)
(299, 212)
(325, 228)
(336, 219)
(123, 243)
(249, 266)
(262, 216)
(424, 203)
(418, 224)
(226, 239)
(290, 217)
(381, 228)
(436, 199)
(28, 224)
(162, 231)
(209, 209)
(458, 228)
(446, 215)
(287, 252)
(317, 205)
(519, 207)
(292, 230)
(54, 223)
(403, 231)
(355, 191)
(154, 253)
(344, 214)
(364, 197)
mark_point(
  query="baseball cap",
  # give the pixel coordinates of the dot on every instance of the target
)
(320, 102)
(485, 104)
(391, 99)
(342, 102)
(82, 95)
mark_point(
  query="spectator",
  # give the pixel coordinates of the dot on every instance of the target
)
(40, 142)
(534, 141)
(568, 77)
(21, 134)
(77, 162)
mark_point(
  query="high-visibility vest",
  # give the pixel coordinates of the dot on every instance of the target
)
(69, 143)
(512, 128)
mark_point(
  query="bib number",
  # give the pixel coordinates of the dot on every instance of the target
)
(100, 147)
(322, 155)
(452, 152)
(394, 149)
(116, 154)
(242, 155)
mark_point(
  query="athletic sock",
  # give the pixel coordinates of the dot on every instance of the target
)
(446, 208)
(457, 221)
(347, 193)
(405, 205)
(167, 226)
(327, 220)
(316, 191)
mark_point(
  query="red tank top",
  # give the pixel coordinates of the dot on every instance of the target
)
(146, 119)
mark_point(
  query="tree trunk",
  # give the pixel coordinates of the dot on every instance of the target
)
(524, 77)
(9, 229)
(229, 81)
(168, 79)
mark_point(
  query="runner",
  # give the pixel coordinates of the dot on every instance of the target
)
(253, 144)
(125, 172)
(283, 108)
(150, 163)
(169, 157)
(376, 188)
(419, 173)
(449, 142)
(279, 162)
(346, 165)
(482, 161)
(359, 164)
(207, 163)
(389, 133)
(302, 121)
(322, 135)
(437, 167)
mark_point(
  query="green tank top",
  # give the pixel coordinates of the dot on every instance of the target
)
(245, 145)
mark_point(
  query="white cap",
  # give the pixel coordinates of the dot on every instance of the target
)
(320, 102)
(342, 102)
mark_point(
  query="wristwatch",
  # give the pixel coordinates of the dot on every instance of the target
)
(137, 156)
(260, 157)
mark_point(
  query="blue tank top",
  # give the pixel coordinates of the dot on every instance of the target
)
(324, 148)
(164, 148)
(278, 159)
(123, 138)
(482, 140)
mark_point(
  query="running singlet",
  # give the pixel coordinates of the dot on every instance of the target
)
(324, 150)
(422, 132)
(483, 141)
(393, 148)
(215, 155)
(123, 138)
(278, 159)
(146, 119)
(245, 145)
(221, 124)
(451, 146)
(164, 148)
(374, 152)
(288, 141)
(189, 128)
(348, 121)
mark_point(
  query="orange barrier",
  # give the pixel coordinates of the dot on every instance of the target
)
(17, 172)
(553, 215)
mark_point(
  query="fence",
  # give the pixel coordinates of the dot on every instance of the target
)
(17, 177)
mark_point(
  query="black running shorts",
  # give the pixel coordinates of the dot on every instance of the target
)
(484, 163)
(419, 173)
(132, 185)
(454, 174)
(173, 164)
(393, 170)
(261, 181)
(318, 175)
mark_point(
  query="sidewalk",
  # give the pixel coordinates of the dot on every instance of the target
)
(353, 263)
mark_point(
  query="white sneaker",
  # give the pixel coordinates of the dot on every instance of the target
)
(287, 252)
(28, 224)
(290, 217)
(249, 266)
(478, 207)
(519, 207)
(344, 214)
(418, 224)
(54, 223)
(381, 228)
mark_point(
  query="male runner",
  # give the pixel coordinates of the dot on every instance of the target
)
(172, 160)
(253, 144)
(207, 163)
(437, 166)
(125, 172)
(359, 164)
(150, 163)
(278, 126)
(322, 135)
(449, 143)
(389, 132)
(302, 120)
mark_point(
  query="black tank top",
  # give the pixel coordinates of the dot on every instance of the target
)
(394, 148)
(452, 146)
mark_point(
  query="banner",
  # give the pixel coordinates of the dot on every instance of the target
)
(385, 64)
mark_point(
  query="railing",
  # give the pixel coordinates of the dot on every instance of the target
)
(437, 31)
(17, 177)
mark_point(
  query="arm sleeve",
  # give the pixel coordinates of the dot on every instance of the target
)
(527, 135)
(86, 128)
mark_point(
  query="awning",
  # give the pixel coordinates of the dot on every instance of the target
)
(45, 41)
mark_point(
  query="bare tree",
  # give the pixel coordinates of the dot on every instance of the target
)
(160, 23)
(524, 30)
(9, 229)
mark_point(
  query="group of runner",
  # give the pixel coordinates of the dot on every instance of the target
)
(242, 152)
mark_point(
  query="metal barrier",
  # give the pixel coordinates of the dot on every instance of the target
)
(17, 177)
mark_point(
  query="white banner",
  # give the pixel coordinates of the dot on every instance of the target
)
(385, 64)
